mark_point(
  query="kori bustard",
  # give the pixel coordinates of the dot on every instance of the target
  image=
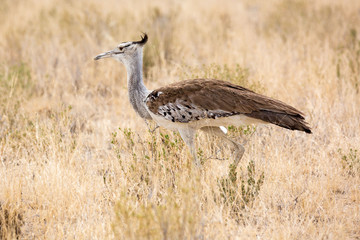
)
(205, 104)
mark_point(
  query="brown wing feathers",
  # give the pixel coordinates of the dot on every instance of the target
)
(199, 98)
(282, 119)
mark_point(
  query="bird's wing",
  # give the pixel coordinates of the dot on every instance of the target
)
(192, 100)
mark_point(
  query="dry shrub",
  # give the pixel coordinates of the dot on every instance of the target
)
(176, 216)
(11, 221)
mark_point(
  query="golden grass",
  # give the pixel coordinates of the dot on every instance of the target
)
(68, 171)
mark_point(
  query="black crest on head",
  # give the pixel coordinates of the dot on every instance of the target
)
(143, 39)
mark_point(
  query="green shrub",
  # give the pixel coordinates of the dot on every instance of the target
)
(350, 161)
(240, 192)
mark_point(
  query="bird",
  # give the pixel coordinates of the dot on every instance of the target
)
(205, 104)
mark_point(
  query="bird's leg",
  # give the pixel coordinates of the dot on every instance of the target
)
(239, 148)
(188, 135)
(149, 126)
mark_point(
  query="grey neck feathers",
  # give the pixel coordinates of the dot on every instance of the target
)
(137, 90)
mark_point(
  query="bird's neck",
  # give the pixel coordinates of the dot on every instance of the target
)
(137, 90)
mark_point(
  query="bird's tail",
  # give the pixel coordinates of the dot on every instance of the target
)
(285, 120)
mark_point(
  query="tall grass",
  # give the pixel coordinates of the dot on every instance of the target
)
(76, 161)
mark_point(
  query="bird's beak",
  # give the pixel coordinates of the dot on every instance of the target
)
(104, 55)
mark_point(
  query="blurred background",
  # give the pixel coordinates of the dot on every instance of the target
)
(77, 162)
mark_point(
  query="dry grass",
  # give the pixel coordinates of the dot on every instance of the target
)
(68, 171)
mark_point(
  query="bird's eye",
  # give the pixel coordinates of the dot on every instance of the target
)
(121, 48)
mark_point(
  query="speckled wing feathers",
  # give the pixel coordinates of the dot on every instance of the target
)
(196, 99)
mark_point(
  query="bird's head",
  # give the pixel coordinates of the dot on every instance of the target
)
(125, 52)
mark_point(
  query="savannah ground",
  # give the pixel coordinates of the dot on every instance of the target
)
(77, 163)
